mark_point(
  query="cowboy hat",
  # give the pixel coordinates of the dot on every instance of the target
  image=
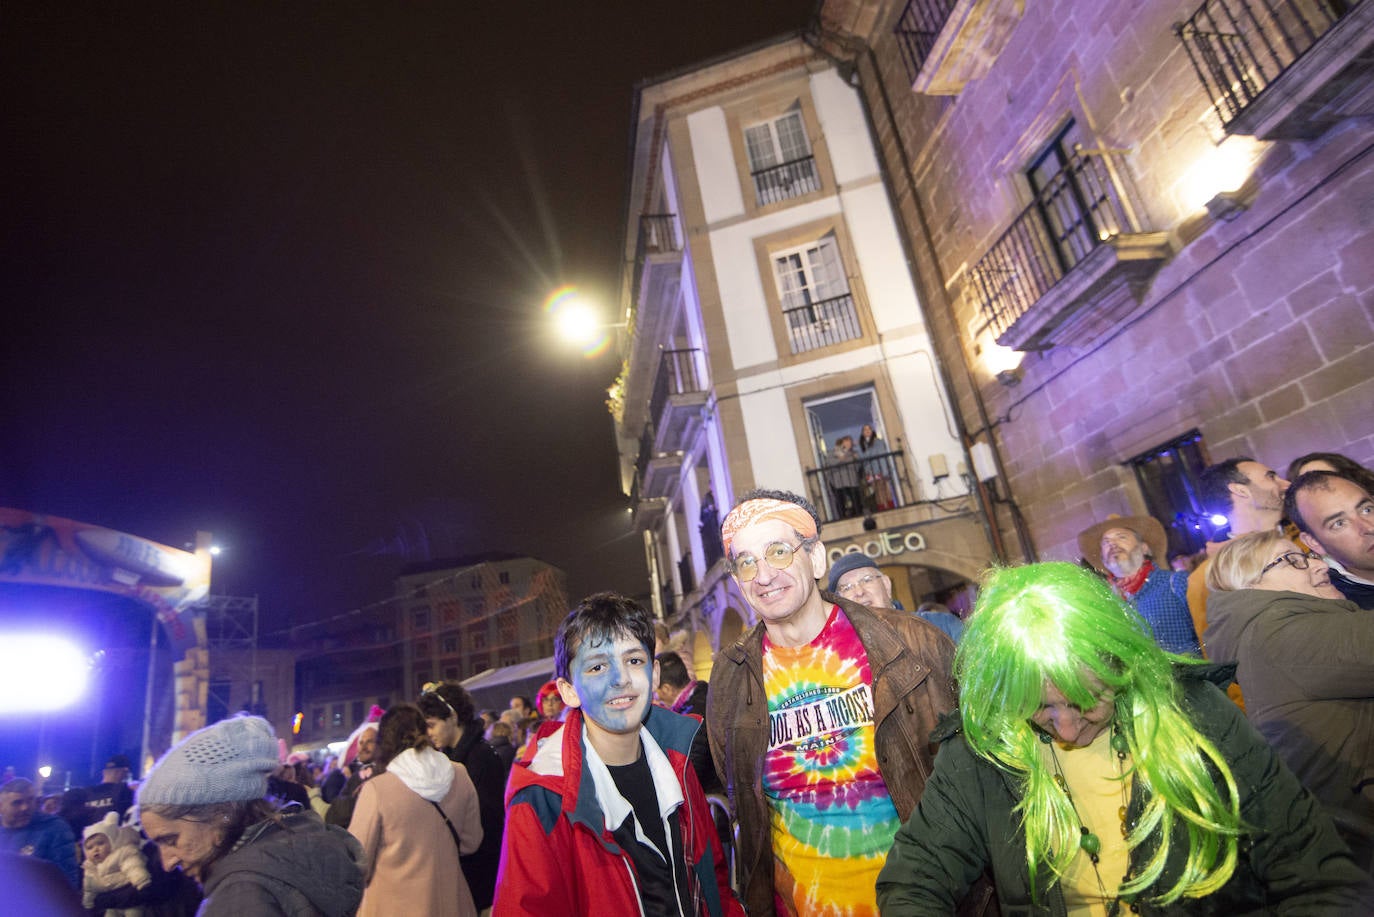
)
(1147, 527)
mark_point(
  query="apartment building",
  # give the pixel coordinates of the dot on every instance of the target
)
(772, 313)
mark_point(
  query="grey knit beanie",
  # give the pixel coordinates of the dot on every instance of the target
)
(226, 762)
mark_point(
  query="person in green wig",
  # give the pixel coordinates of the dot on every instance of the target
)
(1091, 772)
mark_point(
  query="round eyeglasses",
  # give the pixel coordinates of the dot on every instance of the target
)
(849, 589)
(777, 555)
(1295, 559)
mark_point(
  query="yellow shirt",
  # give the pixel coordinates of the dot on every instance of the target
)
(1093, 777)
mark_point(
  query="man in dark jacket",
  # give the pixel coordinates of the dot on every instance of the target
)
(819, 717)
(1336, 518)
(455, 730)
(681, 693)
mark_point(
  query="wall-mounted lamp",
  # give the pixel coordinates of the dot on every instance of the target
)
(1226, 205)
(1010, 377)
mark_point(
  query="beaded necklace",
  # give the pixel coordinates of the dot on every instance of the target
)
(1088, 842)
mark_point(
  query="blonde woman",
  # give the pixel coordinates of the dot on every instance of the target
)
(1304, 657)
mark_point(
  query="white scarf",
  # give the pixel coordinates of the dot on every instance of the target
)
(426, 772)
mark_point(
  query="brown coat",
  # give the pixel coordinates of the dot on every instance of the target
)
(412, 861)
(911, 662)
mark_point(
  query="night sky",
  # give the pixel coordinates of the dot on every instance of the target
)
(276, 271)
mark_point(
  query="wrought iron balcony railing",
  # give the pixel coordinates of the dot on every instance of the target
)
(1079, 209)
(677, 375)
(875, 482)
(820, 324)
(917, 29)
(1239, 47)
(658, 234)
(791, 179)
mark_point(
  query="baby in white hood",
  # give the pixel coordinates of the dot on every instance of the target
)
(113, 860)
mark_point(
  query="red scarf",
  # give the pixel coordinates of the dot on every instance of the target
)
(1128, 586)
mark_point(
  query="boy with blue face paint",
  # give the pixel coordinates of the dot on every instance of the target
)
(607, 816)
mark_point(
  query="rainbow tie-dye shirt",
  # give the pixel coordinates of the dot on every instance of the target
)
(832, 819)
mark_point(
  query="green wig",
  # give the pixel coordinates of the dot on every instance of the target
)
(1060, 623)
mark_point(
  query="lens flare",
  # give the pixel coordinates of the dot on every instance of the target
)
(578, 322)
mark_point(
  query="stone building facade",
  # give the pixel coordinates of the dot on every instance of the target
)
(1154, 222)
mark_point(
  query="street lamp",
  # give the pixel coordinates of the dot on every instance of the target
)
(578, 321)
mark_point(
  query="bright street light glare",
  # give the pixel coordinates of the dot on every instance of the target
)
(577, 323)
(39, 673)
(216, 550)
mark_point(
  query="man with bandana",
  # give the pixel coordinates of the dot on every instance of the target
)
(819, 718)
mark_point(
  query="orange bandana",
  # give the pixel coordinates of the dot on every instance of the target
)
(761, 510)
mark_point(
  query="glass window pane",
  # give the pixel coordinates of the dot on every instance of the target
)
(759, 141)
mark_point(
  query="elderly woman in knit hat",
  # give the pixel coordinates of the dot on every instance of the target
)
(204, 807)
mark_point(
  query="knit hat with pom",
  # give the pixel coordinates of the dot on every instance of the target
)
(227, 762)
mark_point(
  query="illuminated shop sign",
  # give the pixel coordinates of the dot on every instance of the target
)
(886, 544)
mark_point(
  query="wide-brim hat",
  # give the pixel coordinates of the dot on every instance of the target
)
(1147, 527)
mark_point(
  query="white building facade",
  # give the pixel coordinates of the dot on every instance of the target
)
(771, 313)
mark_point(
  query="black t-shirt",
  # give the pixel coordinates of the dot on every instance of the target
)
(660, 880)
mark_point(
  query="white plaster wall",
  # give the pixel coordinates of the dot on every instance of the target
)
(772, 449)
(925, 414)
(715, 163)
(882, 262)
(741, 288)
(846, 130)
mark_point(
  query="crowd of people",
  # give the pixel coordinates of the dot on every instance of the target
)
(1070, 748)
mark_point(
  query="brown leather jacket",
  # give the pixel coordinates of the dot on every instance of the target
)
(911, 663)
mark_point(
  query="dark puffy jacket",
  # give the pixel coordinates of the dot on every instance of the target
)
(295, 866)
(911, 663)
(1292, 862)
(489, 778)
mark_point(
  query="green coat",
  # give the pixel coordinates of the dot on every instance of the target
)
(1292, 863)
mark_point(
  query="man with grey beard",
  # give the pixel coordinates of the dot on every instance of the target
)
(1124, 548)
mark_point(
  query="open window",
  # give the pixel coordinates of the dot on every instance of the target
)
(780, 160)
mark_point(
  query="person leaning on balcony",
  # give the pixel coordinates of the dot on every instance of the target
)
(844, 478)
(878, 491)
(819, 718)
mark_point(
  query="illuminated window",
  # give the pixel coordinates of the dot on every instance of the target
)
(780, 160)
(1168, 477)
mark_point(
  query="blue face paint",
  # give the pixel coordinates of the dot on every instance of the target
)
(614, 682)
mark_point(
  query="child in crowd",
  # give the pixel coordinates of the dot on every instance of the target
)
(644, 842)
(113, 860)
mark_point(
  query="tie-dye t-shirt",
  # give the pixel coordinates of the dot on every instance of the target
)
(832, 819)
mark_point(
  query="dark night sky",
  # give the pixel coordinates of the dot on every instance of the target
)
(275, 271)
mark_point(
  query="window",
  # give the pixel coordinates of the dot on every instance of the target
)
(317, 717)
(477, 635)
(359, 711)
(452, 673)
(336, 715)
(508, 626)
(780, 160)
(504, 577)
(449, 644)
(1168, 478)
(867, 480)
(509, 656)
(481, 662)
(422, 619)
(814, 292)
(1070, 200)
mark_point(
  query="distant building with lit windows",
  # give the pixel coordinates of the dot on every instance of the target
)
(1140, 232)
(448, 621)
(771, 312)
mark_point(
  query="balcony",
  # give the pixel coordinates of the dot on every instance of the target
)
(1072, 264)
(821, 324)
(947, 43)
(677, 399)
(791, 179)
(658, 256)
(1283, 69)
(871, 484)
